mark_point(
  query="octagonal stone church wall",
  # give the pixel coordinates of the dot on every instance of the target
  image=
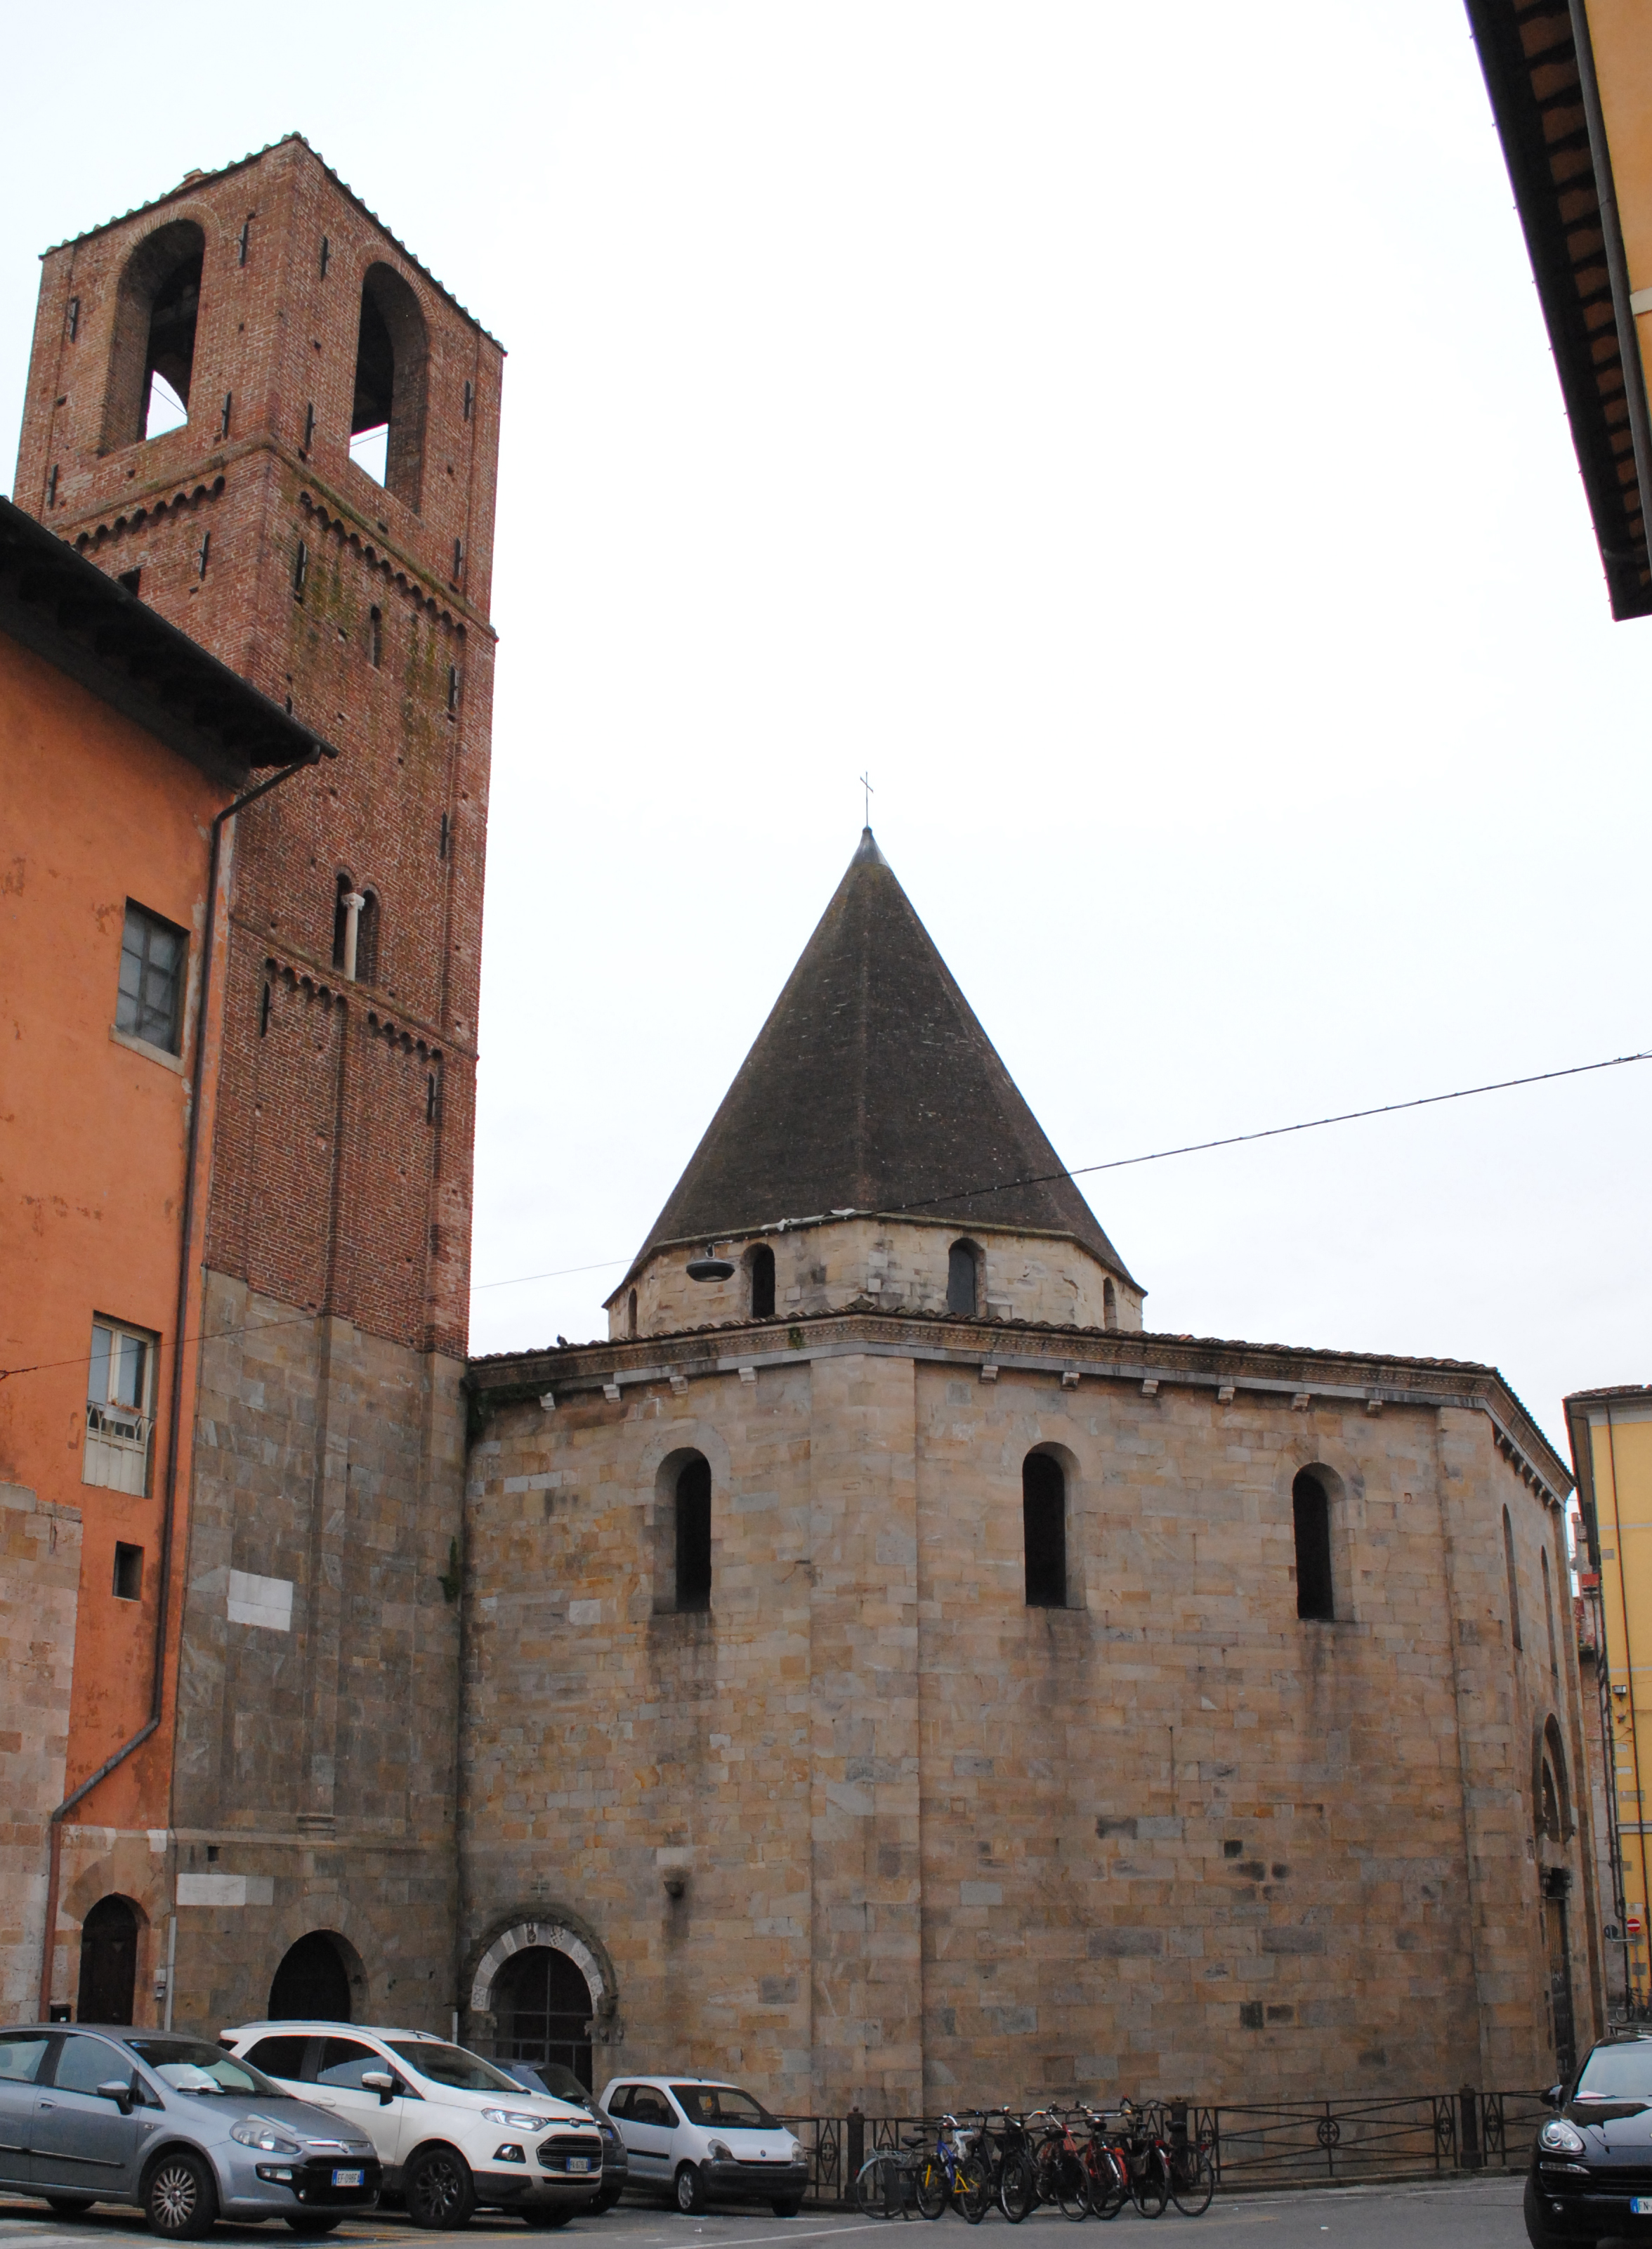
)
(869, 1828)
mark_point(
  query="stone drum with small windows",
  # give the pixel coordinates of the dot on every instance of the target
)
(926, 1686)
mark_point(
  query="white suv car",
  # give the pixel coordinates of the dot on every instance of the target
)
(452, 2131)
(697, 2137)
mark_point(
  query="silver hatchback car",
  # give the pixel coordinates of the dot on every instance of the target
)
(178, 2127)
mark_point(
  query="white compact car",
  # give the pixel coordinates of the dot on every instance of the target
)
(453, 2132)
(695, 2138)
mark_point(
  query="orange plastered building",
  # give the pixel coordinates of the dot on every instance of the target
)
(121, 744)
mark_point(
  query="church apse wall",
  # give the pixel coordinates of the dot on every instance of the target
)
(872, 1826)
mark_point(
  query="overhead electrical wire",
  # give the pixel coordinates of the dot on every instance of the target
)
(1156, 1155)
(997, 1187)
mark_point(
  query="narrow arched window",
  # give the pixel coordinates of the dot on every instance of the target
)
(694, 1535)
(386, 416)
(1109, 1305)
(341, 891)
(763, 1283)
(963, 1268)
(1044, 1529)
(1310, 1510)
(152, 355)
(1549, 1810)
(1514, 1583)
(631, 1313)
(1548, 1613)
(367, 939)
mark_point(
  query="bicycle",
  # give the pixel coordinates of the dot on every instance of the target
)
(887, 2182)
(1058, 2168)
(1006, 2155)
(1106, 2169)
(1192, 2174)
(1146, 2162)
(950, 2169)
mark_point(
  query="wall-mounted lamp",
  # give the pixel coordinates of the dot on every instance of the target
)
(710, 1267)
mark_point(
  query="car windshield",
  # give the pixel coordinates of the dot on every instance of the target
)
(561, 2084)
(451, 2065)
(1618, 2073)
(191, 2066)
(722, 2104)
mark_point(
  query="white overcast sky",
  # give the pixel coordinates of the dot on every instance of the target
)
(1129, 432)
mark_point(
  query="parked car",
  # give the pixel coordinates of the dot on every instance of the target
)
(562, 2085)
(1591, 2172)
(453, 2132)
(184, 2130)
(698, 2140)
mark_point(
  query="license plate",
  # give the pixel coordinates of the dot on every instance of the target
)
(584, 2163)
(347, 2178)
(1640, 2205)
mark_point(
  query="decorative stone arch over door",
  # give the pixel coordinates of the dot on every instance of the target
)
(559, 1932)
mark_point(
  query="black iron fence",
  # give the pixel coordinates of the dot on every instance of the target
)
(1279, 2143)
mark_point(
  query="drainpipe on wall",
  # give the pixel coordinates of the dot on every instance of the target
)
(1633, 1991)
(175, 1415)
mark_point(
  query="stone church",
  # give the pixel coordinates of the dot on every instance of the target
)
(882, 1667)
(895, 1674)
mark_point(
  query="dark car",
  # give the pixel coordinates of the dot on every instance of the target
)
(180, 2127)
(561, 2084)
(1591, 2174)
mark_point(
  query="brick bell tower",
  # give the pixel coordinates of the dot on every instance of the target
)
(252, 405)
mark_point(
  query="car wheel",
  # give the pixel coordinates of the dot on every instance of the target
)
(690, 2190)
(69, 2206)
(789, 2208)
(181, 2197)
(1536, 2232)
(300, 2223)
(606, 2199)
(439, 2190)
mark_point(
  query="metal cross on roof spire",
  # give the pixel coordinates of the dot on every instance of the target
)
(866, 784)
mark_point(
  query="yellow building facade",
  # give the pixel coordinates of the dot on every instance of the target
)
(1611, 1433)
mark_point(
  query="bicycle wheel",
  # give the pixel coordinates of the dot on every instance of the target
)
(1150, 2185)
(1017, 2189)
(934, 2187)
(975, 2189)
(1072, 2189)
(1109, 2191)
(876, 2187)
(1193, 2183)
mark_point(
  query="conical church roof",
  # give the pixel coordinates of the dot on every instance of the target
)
(873, 1087)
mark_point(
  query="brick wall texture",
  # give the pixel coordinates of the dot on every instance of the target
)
(214, 517)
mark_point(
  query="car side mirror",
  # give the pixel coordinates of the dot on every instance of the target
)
(378, 2081)
(1555, 2097)
(117, 2089)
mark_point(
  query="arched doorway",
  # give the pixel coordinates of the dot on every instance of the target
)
(542, 2005)
(313, 1984)
(108, 1962)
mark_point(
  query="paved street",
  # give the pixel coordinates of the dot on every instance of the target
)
(1481, 2214)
